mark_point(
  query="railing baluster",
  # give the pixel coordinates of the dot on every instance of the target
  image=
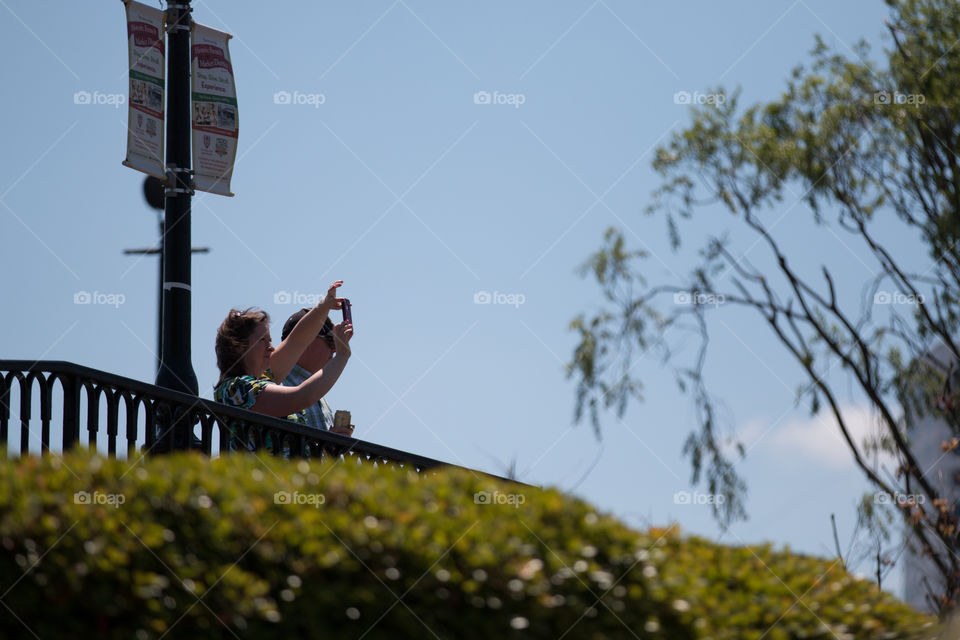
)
(224, 427)
(132, 405)
(113, 418)
(206, 432)
(46, 393)
(93, 414)
(150, 423)
(295, 443)
(193, 418)
(257, 436)
(26, 410)
(4, 410)
(71, 410)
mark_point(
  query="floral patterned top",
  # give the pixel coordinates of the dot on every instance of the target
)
(242, 391)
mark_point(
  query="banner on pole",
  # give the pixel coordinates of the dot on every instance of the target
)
(145, 111)
(214, 110)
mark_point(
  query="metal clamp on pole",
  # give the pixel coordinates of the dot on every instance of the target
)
(171, 190)
(177, 21)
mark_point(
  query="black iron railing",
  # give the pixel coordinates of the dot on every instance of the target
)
(73, 398)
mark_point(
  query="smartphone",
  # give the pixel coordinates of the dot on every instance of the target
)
(345, 307)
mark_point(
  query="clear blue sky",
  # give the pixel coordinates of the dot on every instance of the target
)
(416, 196)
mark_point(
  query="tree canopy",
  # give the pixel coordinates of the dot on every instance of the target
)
(865, 149)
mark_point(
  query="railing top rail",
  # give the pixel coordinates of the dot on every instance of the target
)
(60, 367)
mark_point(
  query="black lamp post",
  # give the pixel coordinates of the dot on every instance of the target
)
(153, 193)
(176, 369)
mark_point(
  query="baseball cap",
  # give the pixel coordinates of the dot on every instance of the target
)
(292, 321)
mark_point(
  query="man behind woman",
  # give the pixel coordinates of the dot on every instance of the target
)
(314, 359)
(251, 369)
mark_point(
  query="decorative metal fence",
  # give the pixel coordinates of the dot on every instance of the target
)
(85, 405)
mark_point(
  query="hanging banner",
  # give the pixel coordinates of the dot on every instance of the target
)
(214, 110)
(145, 111)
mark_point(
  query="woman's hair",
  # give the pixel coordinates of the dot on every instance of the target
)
(233, 338)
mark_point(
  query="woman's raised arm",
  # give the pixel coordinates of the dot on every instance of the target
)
(280, 401)
(286, 354)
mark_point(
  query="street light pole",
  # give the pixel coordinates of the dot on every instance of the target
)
(176, 369)
(153, 193)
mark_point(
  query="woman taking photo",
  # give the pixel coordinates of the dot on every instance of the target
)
(251, 369)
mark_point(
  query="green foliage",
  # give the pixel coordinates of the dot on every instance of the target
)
(190, 547)
(870, 150)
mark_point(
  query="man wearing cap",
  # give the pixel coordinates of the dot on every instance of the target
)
(314, 358)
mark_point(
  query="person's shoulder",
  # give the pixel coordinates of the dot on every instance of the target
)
(228, 386)
(239, 391)
(234, 381)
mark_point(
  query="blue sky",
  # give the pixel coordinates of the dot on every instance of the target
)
(393, 175)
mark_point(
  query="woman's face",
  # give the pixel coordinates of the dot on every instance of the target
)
(259, 349)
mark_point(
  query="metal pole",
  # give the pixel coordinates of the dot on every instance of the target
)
(160, 304)
(176, 369)
(154, 194)
(159, 252)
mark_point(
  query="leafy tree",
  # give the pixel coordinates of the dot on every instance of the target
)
(867, 150)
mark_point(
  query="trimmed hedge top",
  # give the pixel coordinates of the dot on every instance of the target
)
(252, 547)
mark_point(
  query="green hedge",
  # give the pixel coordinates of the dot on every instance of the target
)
(194, 548)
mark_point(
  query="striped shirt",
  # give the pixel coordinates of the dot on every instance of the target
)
(318, 415)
